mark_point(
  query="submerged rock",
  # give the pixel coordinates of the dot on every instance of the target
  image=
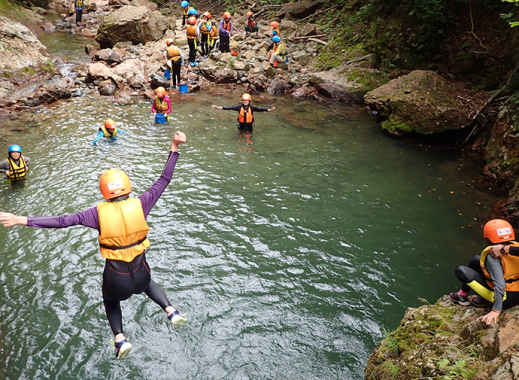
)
(446, 340)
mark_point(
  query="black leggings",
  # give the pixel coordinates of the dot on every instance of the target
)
(473, 272)
(224, 43)
(121, 280)
(175, 71)
(192, 49)
(205, 43)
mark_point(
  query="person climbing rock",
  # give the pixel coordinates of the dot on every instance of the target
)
(245, 115)
(192, 37)
(204, 30)
(108, 130)
(16, 166)
(121, 223)
(251, 26)
(277, 51)
(175, 60)
(162, 103)
(275, 28)
(225, 32)
(492, 275)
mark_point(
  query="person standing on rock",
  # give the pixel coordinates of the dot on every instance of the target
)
(108, 130)
(213, 36)
(175, 60)
(493, 275)
(185, 6)
(278, 51)
(16, 166)
(245, 115)
(78, 6)
(192, 37)
(162, 102)
(204, 29)
(275, 28)
(123, 242)
(225, 32)
(251, 26)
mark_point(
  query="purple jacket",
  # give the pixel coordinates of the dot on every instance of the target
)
(89, 217)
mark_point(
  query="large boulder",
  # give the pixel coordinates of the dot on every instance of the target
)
(19, 47)
(300, 9)
(425, 103)
(131, 23)
(54, 89)
(448, 341)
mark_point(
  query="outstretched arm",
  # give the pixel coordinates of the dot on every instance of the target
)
(87, 218)
(151, 196)
(99, 136)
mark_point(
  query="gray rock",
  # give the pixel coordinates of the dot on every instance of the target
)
(278, 86)
(107, 87)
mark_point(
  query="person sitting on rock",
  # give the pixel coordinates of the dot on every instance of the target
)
(225, 32)
(245, 115)
(204, 30)
(192, 37)
(108, 130)
(175, 60)
(16, 166)
(493, 275)
(251, 26)
(277, 51)
(275, 28)
(78, 6)
(162, 103)
(185, 5)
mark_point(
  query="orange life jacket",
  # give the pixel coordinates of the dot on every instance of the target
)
(510, 264)
(226, 25)
(173, 53)
(245, 116)
(204, 29)
(213, 33)
(191, 32)
(278, 33)
(122, 229)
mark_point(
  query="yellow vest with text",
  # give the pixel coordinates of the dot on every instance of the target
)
(122, 229)
(17, 171)
(510, 264)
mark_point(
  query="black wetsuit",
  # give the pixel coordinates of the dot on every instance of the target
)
(246, 127)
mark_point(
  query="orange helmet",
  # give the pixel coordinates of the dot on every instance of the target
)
(274, 24)
(113, 183)
(498, 231)
(226, 15)
(160, 92)
(109, 124)
(249, 13)
(245, 97)
(169, 41)
(191, 20)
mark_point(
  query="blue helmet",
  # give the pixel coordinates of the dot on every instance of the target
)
(276, 39)
(14, 148)
(184, 4)
(192, 12)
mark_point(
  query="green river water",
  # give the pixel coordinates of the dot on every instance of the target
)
(291, 258)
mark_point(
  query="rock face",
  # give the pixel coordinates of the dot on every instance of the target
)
(131, 23)
(299, 9)
(19, 47)
(423, 102)
(447, 341)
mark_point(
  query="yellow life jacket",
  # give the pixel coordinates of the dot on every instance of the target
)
(161, 105)
(510, 264)
(173, 53)
(245, 116)
(122, 229)
(191, 32)
(79, 3)
(186, 9)
(17, 171)
(106, 132)
(281, 49)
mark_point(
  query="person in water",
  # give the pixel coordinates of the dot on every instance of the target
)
(108, 130)
(121, 223)
(492, 275)
(175, 60)
(162, 103)
(17, 165)
(245, 115)
(225, 32)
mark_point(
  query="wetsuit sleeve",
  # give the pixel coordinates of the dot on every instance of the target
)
(230, 31)
(259, 109)
(220, 28)
(514, 250)
(495, 269)
(87, 218)
(233, 108)
(99, 136)
(152, 195)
